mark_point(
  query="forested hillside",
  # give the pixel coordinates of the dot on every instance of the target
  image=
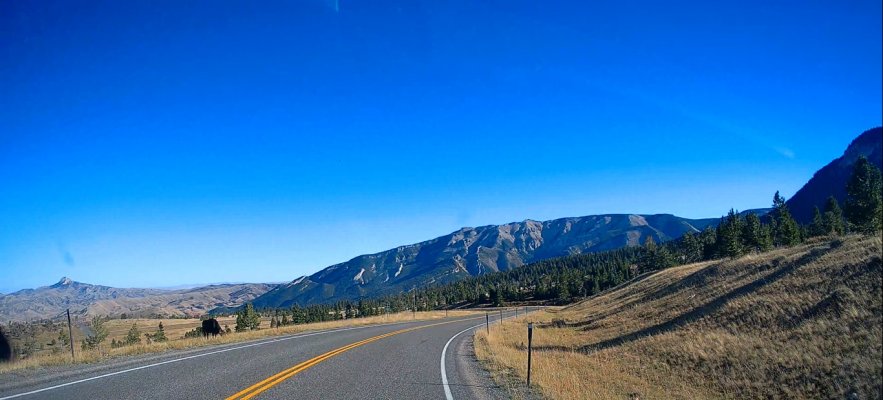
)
(564, 279)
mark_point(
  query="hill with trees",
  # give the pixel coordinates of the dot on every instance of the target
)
(564, 279)
(796, 322)
(831, 179)
(471, 252)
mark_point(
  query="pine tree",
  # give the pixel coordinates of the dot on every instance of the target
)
(160, 335)
(663, 258)
(692, 249)
(787, 232)
(285, 321)
(133, 337)
(766, 237)
(730, 235)
(708, 240)
(497, 297)
(752, 233)
(247, 318)
(833, 217)
(99, 333)
(864, 205)
(273, 323)
(817, 226)
(563, 293)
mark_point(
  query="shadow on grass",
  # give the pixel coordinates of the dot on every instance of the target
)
(698, 312)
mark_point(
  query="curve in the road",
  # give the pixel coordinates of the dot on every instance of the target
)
(444, 372)
(142, 367)
(279, 377)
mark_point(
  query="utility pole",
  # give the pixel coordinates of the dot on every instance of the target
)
(70, 333)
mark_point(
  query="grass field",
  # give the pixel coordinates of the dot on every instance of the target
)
(802, 322)
(175, 329)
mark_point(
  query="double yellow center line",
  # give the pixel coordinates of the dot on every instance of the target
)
(278, 378)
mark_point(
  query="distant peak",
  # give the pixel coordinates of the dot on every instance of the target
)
(64, 281)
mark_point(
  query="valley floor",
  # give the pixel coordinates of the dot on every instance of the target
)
(802, 322)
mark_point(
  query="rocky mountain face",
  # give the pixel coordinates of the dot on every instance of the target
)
(87, 299)
(832, 178)
(475, 251)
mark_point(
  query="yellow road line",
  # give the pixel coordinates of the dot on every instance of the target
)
(277, 378)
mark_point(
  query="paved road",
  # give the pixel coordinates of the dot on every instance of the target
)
(392, 361)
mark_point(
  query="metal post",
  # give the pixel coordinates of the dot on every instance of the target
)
(487, 320)
(529, 346)
(414, 314)
(516, 312)
(501, 316)
(446, 311)
(70, 332)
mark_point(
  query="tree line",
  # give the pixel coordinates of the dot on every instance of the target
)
(561, 280)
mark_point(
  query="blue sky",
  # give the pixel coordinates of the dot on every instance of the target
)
(163, 143)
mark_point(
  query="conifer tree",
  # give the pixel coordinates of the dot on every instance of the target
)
(99, 333)
(133, 337)
(247, 318)
(752, 233)
(766, 237)
(160, 335)
(649, 259)
(497, 297)
(730, 235)
(864, 205)
(708, 240)
(787, 232)
(563, 292)
(692, 249)
(817, 226)
(833, 217)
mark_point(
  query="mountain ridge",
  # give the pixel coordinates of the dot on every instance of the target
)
(475, 251)
(85, 299)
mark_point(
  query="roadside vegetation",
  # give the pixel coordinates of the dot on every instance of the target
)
(799, 322)
(122, 333)
(762, 309)
(740, 239)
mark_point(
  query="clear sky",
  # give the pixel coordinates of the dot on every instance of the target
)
(147, 143)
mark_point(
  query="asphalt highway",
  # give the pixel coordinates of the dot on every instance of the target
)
(394, 361)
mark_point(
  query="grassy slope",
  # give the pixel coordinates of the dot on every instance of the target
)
(803, 322)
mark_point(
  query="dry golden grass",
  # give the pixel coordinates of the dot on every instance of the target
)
(119, 328)
(803, 322)
(174, 328)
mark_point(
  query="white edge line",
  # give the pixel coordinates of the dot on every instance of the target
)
(202, 355)
(444, 373)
